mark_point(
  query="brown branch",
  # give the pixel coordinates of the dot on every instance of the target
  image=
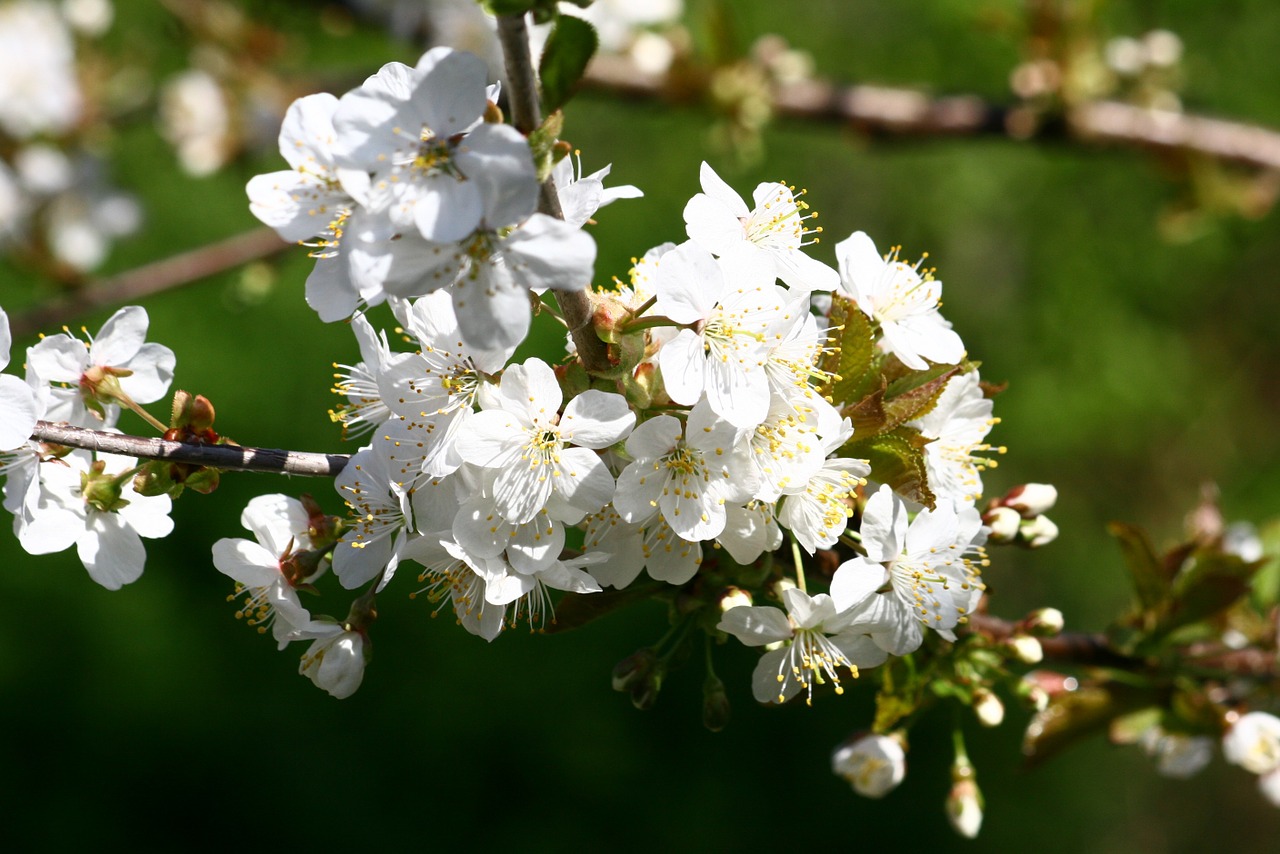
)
(133, 285)
(226, 457)
(526, 115)
(887, 111)
(1093, 649)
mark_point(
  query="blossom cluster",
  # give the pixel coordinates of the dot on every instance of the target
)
(716, 433)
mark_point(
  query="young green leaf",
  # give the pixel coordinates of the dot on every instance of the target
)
(570, 47)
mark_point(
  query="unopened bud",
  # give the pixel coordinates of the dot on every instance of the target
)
(1003, 522)
(1037, 532)
(715, 705)
(988, 708)
(1031, 499)
(1026, 649)
(964, 806)
(874, 764)
(633, 669)
(1045, 622)
(1032, 694)
(734, 597)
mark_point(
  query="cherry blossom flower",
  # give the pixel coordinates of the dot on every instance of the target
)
(770, 235)
(687, 475)
(582, 195)
(1177, 754)
(817, 641)
(722, 351)
(1253, 743)
(92, 504)
(541, 453)
(116, 363)
(874, 765)
(819, 513)
(415, 130)
(336, 658)
(958, 424)
(932, 567)
(19, 407)
(904, 303)
(38, 88)
(266, 569)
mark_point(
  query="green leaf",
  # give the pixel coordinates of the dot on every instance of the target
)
(1074, 715)
(1266, 584)
(1150, 581)
(510, 7)
(911, 397)
(897, 458)
(1210, 582)
(854, 358)
(564, 60)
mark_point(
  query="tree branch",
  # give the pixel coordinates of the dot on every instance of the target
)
(887, 111)
(226, 457)
(526, 114)
(133, 285)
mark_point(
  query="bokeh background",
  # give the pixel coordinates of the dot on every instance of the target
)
(1137, 332)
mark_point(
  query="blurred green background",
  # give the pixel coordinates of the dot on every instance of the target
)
(1138, 368)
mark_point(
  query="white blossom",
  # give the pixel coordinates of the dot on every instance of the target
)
(958, 425)
(38, 88)
(904, 303)
(873, 765)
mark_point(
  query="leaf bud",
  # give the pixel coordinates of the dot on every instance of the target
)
(873, 765)
(988, 708)
(1026, 649)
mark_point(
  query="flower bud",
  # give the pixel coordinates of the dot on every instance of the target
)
(1045, 622)
(734, 597)
(715, 705)
(1253, 743)
(988, 708)
(1032, 694)
(964, 806)
(1003, 522)
(633, 669)
(874, 764)
(1037, 532)
(1031, 499)
(1026, 649)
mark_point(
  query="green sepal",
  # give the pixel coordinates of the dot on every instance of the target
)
(569, 48)
(542, 143)
(897, 458)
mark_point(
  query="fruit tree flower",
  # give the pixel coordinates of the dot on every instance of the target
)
(116, 366)
(770, 235)
(874, 765)
(932, 567)
(1253, 743)
(92, 504)
(816, 637)
(687, 475)
(541, 453)
(335, 660)
(904, 303)
(38, 89)
(958, 424)
(19, 407)
(268, 569)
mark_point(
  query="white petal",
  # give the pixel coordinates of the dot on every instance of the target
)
(18, 412)
(584, 480)
(754, 625)
(120, 337)
(597, 419)
(245, 562)
(110, 550)
(854, 581)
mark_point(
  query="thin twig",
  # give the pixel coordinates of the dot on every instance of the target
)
(576, 306)
(133, 285)
(226, 457)
(888, 111)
